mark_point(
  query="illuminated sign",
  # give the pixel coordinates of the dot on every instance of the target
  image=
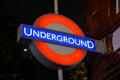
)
(57, 37)
(55, 41)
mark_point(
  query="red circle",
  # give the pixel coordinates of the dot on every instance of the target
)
(69, 59)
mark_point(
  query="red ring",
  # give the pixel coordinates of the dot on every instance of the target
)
(70, 59)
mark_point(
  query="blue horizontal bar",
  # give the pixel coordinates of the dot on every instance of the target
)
(58, 38)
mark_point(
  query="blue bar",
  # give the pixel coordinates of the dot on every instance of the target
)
(59, 38)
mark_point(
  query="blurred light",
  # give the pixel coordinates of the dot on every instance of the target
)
(25, 50)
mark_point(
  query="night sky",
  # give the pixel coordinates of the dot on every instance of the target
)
(14, 61)
(30, 10)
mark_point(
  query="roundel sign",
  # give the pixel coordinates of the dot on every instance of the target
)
(59, 54)
(55, 44)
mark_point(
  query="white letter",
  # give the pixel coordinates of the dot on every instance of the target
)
(90, 44)
(71, 40)
(83, 43)
(54, 37)
(59, 38)
(36, 33)
(42, 34)
(48, 36)
(65, 39)
(76, 42)
(26, 32)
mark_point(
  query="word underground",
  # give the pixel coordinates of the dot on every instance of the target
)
(55, 37)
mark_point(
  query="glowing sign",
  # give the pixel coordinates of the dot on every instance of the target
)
(55, 41)
(55, 37)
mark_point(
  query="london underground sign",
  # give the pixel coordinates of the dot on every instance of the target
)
(57, 40)
(57, 37)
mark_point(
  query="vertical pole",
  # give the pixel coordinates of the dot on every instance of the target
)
(117, 6)
(56, 6)
(60, 73)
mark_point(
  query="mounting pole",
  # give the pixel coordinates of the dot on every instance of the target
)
(60, 73)
(56, 6)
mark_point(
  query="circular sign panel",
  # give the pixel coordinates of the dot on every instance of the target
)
(58, 54)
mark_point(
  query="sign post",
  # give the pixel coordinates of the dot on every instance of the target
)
(60, 73)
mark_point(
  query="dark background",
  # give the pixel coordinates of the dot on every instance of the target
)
(15, 63)
(30, 10)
